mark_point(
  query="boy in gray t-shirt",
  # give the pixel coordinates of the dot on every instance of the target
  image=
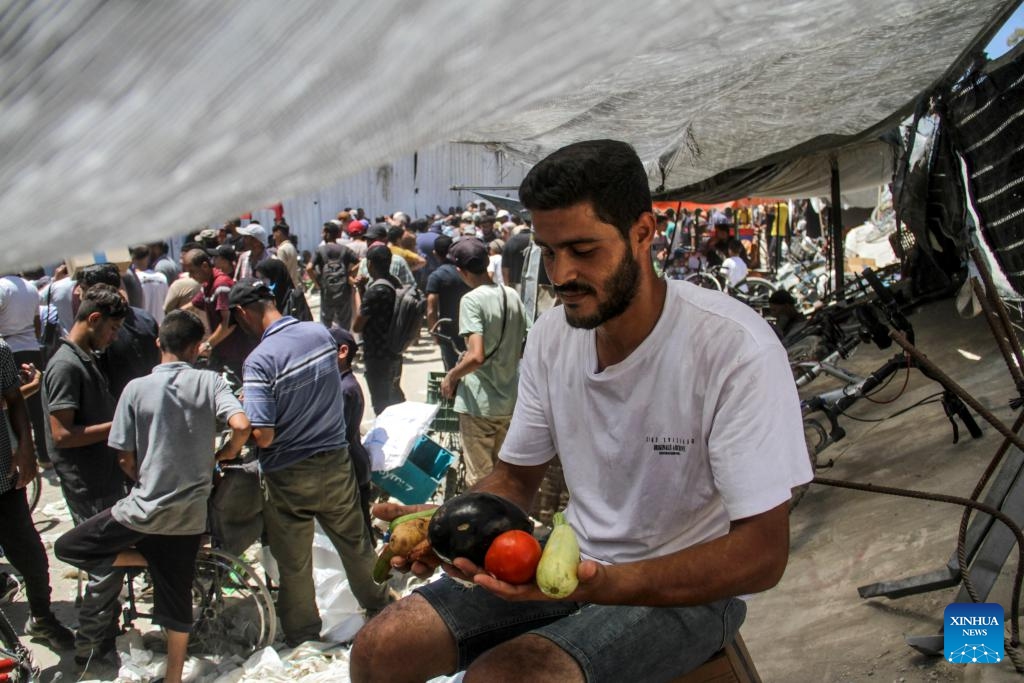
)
(164, 430)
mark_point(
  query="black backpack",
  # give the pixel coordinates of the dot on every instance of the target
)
(406, 317)
(334, 284)
(295, 305)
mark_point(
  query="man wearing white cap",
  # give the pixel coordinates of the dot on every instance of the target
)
(254, 242)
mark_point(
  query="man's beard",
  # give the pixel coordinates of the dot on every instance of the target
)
(621, 287)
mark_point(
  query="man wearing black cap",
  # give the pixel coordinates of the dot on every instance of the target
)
(383, 367)
(293, 398)
(484, 381)
(354, 407)
(398, 267)
(445, 289)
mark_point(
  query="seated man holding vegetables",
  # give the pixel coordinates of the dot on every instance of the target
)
(656, 397)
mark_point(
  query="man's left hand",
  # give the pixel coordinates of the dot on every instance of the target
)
(448, 386)
(592, 575)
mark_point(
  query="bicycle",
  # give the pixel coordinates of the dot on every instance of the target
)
(233, 612)
(445, 427)
(753, 291)
(703, 277)
(16, 663)
(833, 404)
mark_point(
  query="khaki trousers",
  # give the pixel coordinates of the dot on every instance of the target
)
(481, 441)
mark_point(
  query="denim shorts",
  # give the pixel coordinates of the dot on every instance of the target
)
(610, 643)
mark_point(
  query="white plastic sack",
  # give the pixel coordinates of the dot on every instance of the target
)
(395, 431)
(870, 241)
(339, 610)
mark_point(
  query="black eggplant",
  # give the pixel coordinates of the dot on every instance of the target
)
(466, 525)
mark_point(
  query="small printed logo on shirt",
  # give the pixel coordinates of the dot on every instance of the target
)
(669, 445)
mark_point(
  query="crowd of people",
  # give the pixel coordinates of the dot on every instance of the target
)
(753, 237)
(106, 374)
(120, 397)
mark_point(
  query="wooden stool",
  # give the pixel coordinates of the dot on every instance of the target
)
(731, 664)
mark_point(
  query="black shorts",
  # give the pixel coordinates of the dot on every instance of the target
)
(94, 544)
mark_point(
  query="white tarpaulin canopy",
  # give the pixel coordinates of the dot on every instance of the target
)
(123, 121)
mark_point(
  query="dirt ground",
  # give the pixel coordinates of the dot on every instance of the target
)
(814, 626)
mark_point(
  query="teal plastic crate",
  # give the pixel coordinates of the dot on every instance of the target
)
(416, 480)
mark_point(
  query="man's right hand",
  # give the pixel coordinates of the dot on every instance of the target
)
(429, 562)
(23, 463)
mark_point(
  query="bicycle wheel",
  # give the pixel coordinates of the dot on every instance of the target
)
(705, 280)
(234, 613)
(455, 479)
(20, 667)
(758, 292)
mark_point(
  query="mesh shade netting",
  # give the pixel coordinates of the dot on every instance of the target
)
(125, 121)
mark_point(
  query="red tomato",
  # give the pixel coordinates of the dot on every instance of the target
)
(513, 557)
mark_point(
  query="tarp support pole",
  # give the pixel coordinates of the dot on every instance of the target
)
(835, 216)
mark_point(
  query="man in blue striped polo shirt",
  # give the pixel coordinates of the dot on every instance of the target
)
(293, 399)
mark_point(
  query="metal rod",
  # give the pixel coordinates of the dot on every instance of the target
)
(956, 500)
(949, 384)
(1000, 308)
(999, 332)
(836, 229)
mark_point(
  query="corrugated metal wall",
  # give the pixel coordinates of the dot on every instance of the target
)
(416, 184)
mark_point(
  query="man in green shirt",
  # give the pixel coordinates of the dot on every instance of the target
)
(485, 380)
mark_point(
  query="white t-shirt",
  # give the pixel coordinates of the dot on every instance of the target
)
(19, 307)
(60, 294)
(494, 268)
(700, 425)
(154, 291)
(735, 269)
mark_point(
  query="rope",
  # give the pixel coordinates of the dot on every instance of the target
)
(1014, 642)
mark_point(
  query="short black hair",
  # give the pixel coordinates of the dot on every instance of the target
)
(379, 258)
(333, 230)
(99, 274)
(180, 330)
(441, 246)
(102, 299)
(395, 233)
(419, 225)
(139, 251)
(781, 297)
(606, 173)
